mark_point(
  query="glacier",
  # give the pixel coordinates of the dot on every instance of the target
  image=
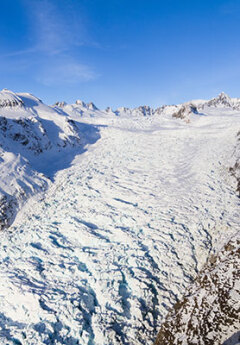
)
(112, 215)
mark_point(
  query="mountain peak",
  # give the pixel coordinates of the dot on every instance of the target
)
(81, 103)
(60, 104)
(109, 110)
(223, 95)
(221, 101)
(9, 99)
(92, 106)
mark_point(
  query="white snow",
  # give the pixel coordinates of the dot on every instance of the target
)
(113, 243)
(9, 99)
(35, 140)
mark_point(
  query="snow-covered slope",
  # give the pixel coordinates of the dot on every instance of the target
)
(209, 313)
(103, 255)
(33, 141)
(9, 99)
(121, 234)
(235, 168)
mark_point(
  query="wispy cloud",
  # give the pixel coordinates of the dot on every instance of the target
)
(55, 35)
(65, 72)
(53, 31)
(21, 52)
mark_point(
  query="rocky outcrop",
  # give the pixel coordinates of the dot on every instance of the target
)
(109, 111)
(209, 312)
(185, 111)
(31, 134)
(222, 100)
(8, 209)
(143, 111)
(60, 104)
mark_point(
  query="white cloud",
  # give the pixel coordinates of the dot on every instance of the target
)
(65, 72)
(53, 31)
(54, 36)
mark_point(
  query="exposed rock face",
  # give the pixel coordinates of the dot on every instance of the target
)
(139, 111)
(209, 312)
(8, 209)
(143, 111)
(25, 132)
(31, 134)
(60, 104)
(109, 110)
(185, 111)
(221, 101)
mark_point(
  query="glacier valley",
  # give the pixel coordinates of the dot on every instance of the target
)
(108, 217)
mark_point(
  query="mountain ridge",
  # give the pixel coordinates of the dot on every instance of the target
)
(220, 101)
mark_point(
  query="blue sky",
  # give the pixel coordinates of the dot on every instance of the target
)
(119, 52)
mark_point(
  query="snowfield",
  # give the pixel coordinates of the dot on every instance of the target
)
(101, 256)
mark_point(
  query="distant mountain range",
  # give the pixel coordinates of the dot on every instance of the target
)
(9, 99)
(179, 111)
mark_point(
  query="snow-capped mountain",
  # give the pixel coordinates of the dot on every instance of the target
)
(33, 139)
(81, 103)
(140, 201)
(221, 101)
(9, 99)
(60, 104)
(92, 106)
(143, 111)
(181, 111)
